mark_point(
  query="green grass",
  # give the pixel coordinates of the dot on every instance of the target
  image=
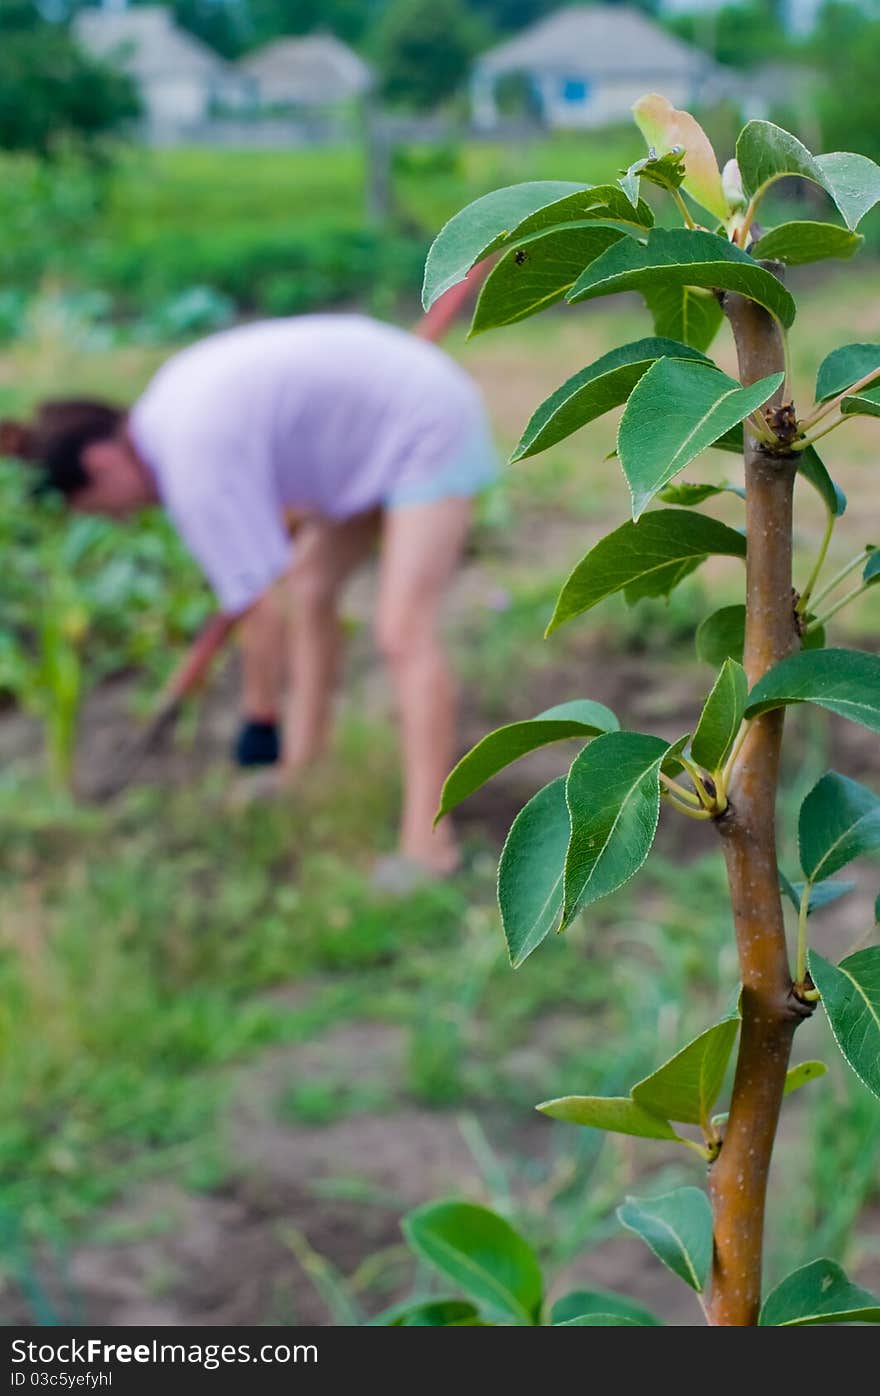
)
(189, 192)
(280, 231)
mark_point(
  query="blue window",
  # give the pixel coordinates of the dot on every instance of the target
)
(575, 90)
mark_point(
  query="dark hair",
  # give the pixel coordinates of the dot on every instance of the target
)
(56, 438)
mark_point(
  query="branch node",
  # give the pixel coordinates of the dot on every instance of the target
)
(797, 1007)
(783, 423)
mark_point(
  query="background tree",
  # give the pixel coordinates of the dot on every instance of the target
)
(509, 15)
(740, 36)
(846, 51)
(52, 92)
(424, 48)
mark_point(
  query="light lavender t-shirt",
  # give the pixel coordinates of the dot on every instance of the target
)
(326, 413)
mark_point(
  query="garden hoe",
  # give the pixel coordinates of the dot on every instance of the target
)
(185, 680)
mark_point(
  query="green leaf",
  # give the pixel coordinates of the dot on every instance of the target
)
(686, 1087)
(595, 390)
(617, 1114)
(848, 365)
(678, 1229)
(676, 411)
(818, 1293)
(538, 272)
(853, 181)
(721, 717)
(647, 558)
(687, 313)
(482, 227)
(799, 243)
(765, 153)
(672, 764)
(846, 682)
(821, 894)
(839, 821)
(600, 1321)
(802, 1074)
(814, 472)
(579, 718)
(613, 795)
(429, 1313)
(666, 171)
(666, 129)
(845, 366)
(866, 403)
(688, 496)
(531, 871)
(721, 635)
(582, 1302)
(871, 573)
(679, 256)
(597, 203)
(851, 1000)
(480, 1252)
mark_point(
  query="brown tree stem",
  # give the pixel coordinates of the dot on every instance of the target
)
(738, 1179)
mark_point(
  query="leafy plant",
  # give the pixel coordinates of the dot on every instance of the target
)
(80, 601)
(47, 677)
(584, 835)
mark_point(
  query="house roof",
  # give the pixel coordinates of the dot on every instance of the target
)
(315, 69)
(596, 38)
(146, 42)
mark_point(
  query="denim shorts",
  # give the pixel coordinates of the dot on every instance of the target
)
(472, 468)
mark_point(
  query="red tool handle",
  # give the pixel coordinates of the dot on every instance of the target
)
(197, 660)
(435, 323)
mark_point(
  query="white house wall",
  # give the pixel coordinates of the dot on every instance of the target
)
(174, 103)
(609, 100)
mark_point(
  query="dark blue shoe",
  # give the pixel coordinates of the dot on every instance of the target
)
(257, 744)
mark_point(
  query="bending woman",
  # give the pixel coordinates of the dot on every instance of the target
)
(363, 431)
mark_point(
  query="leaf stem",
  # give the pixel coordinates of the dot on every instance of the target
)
(801, 961)
(807, 592)
(805, 441)
(674, 788)
(825, 408)
(696, 775)
(686, 809)
(749, 217)
(682, 208)
(705, 1154)
(760, 428)
(838, 606)
(842, 574)
(731, 760)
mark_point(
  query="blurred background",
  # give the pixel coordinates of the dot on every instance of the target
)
(225, 1067)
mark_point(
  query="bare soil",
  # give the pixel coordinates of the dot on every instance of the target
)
(301, 1198)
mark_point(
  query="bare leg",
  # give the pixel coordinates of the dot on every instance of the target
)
(421, 548)
(262, 635)
(326, 554)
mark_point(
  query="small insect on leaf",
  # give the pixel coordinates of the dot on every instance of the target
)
(520, 256)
